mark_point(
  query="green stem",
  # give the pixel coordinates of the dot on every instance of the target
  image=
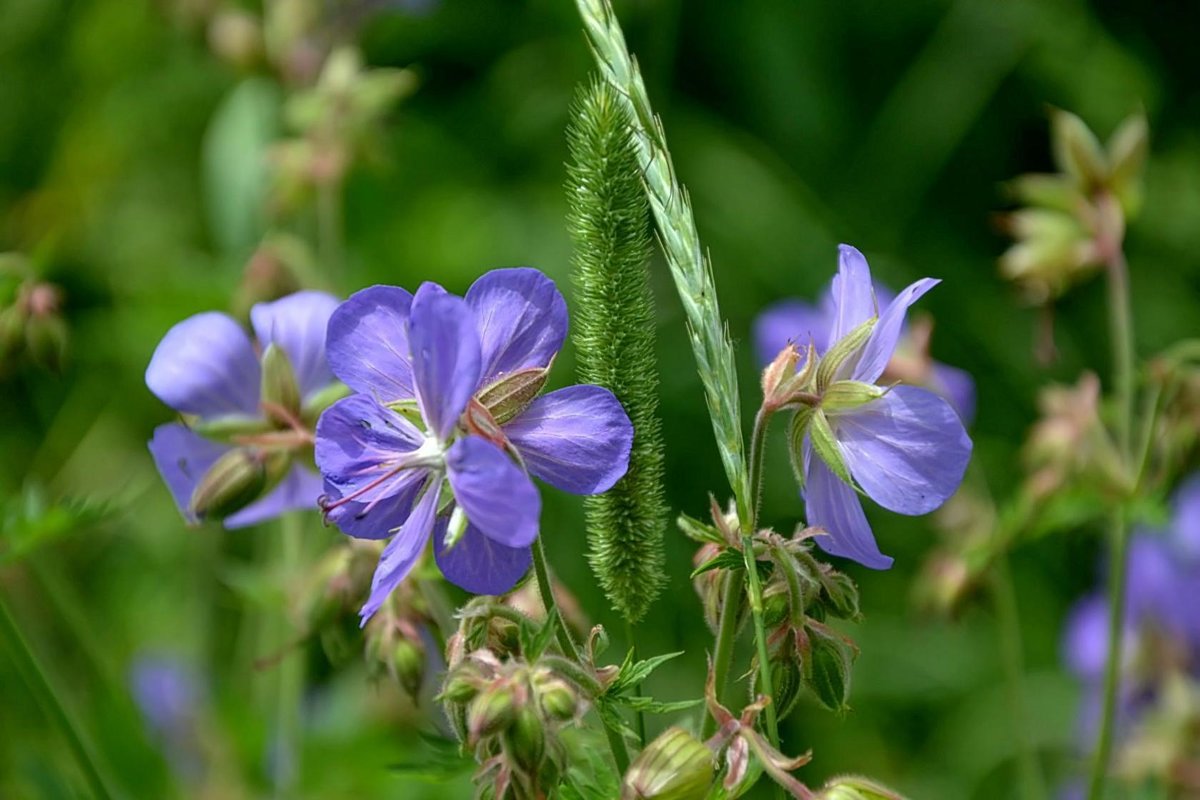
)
(1112, 667)
(291, 667)
(1008, 621)
(1121, 332)
(39, 683)
(570, 650)
(637, 690)
(546, 589)
(731, 611)
(762, 421)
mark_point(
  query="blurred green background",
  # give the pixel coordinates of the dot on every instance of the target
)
(130, 173)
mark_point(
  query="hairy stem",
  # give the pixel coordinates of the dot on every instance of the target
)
(288, 721)
(30, 669)
(753, 585)
(637, 690)
(731, 611)
(1121, 331)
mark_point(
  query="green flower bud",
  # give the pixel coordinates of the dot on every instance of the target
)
(408, 661)
(783, 384)
(829, 668)
(675, 766)
(459, 688)
(786, 680)
(12, 330)
(279, 387)
(236, 480)
(235, 36)
(492, 711)
(777, 604)
(1127, 149)
(558, 699)
(841, 595)
(526, 739)
(854, 787)
(1056, 192)
(512, 394)
(848, 395)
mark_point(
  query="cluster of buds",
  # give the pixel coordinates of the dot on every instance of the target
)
(334, 122)
(511, 712)
(967, 525)
(31, 323)
(799, 594)
(1073, 221)
(1164, 745)
(1070, 443)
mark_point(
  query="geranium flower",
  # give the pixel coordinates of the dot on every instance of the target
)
(209, 370)
(904, 447)
(447, 395)
(797, 322)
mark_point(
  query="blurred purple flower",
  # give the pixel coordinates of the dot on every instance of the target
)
(907, 450)
(166, 691)
(794, 321)
(1163, 570)
(207, 367)
(384, 473)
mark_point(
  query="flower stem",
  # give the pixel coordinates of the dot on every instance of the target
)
(1008, 621)
(637, 690)
(731, 611)
(570, 650)
(1112, 667)
(39, 683)
(1121, 333)
(762, 421)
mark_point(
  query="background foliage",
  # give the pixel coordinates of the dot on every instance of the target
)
(129, 173)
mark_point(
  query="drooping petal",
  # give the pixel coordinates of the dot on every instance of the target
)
(401, 553)
(358, 439)
(522, 319)
(790, 321)
(907, 450)
(480, 564)
(957, 386)
(297, 323)
(182, 458)
(498, 498)
(853, 295)
(206, 365)
(877, 352)
(834, 506)
(446, 358)
(367, 343)
(298, 491)
(576, 439)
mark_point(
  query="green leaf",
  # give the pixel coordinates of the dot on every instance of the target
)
(29, 522)
(435, 760)
(236, 172)
(534, 644)
(652, 706)
(633, 673)
(698, 531)
(726, 559)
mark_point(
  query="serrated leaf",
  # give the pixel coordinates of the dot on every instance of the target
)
(698, 531)
(726, 559)
(633, 673)
(652, 706)
(533, 644)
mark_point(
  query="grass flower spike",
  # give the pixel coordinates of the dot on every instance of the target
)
(447, 397)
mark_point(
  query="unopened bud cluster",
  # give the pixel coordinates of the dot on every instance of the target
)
(1073, 221)
(31, 322)
(510, 713)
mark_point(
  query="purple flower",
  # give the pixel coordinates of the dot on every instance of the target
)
(797, 322)
(208, 369)
(903, 447)
(1161, 628)
(447, 398)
